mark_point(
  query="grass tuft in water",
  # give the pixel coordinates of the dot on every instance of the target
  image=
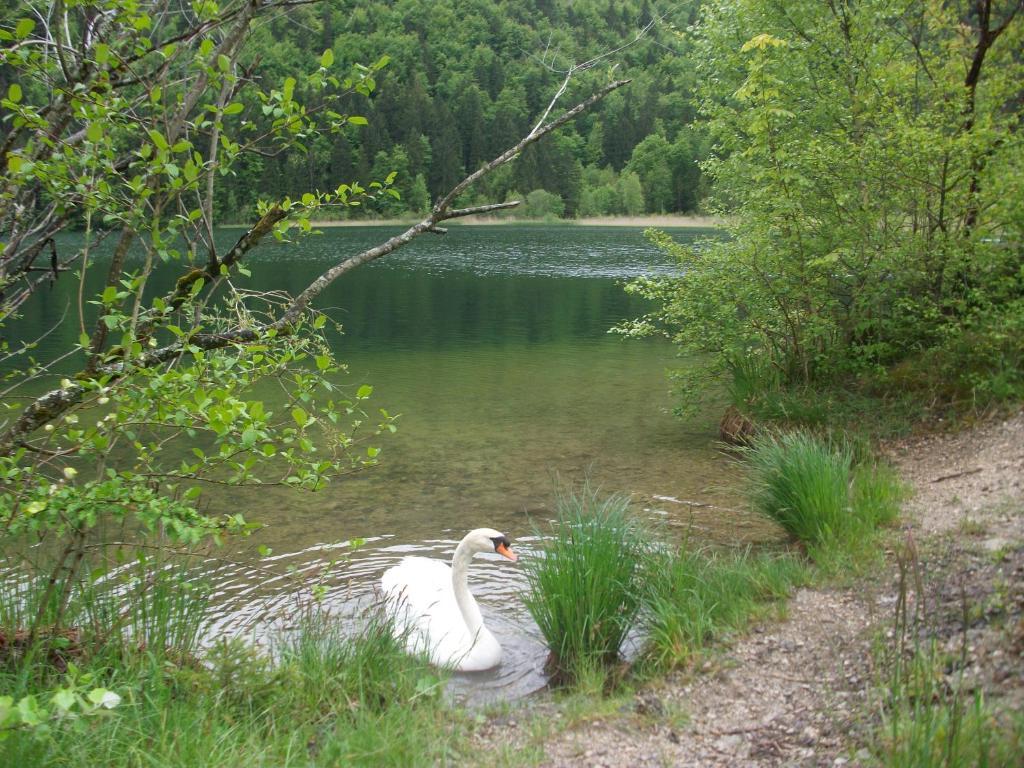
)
(369, 670)
(588, 584)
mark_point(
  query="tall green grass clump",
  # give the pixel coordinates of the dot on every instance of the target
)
(822, 496)
(802, 483)
(148, 607)
(588, 584)
(327, 664)
(699, 596)
(374, 703)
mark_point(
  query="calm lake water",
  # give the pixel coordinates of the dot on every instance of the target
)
(493, 345)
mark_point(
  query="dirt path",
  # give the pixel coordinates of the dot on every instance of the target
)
(797, 692)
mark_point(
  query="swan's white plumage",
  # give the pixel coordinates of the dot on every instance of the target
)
(422, 595)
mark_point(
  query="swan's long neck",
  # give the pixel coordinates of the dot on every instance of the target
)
(467, 605)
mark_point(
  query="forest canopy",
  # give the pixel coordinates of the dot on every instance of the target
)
(464, 80)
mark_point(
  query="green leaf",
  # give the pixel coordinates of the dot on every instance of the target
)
(300, 416)
(234, 108)
(101, 53)
(101, 697)
(6, 709)
(320, 321)
(64, 699)
(157, 138)
(364, 392)
(224, 63)
(14, 92)
(357, 120)
(327, 58)
(24, 28)
(34, 507)
(109, 294)
(94, 131)
(323, 362)
(29, 712)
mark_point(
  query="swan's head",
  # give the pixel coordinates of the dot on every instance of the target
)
(490, 540)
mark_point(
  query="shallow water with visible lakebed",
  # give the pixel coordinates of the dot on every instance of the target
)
(492, 343)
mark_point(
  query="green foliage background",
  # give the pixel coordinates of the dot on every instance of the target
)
(868, 158)
(466, 80)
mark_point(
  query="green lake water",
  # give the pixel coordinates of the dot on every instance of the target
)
(493, 345)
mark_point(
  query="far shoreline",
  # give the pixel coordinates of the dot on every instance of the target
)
(659, 221)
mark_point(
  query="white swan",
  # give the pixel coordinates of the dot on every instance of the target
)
(435, 611)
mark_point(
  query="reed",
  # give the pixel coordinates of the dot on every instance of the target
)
(931, 712)
(588, 583)
(115, 608)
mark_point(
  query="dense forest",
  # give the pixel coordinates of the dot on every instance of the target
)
(463, 82)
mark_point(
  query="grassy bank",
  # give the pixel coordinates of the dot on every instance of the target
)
(604, 574)
(322, 697)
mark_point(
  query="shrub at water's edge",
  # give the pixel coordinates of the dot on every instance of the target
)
(587, 585)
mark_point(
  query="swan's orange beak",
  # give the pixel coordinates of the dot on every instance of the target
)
(504, 551)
